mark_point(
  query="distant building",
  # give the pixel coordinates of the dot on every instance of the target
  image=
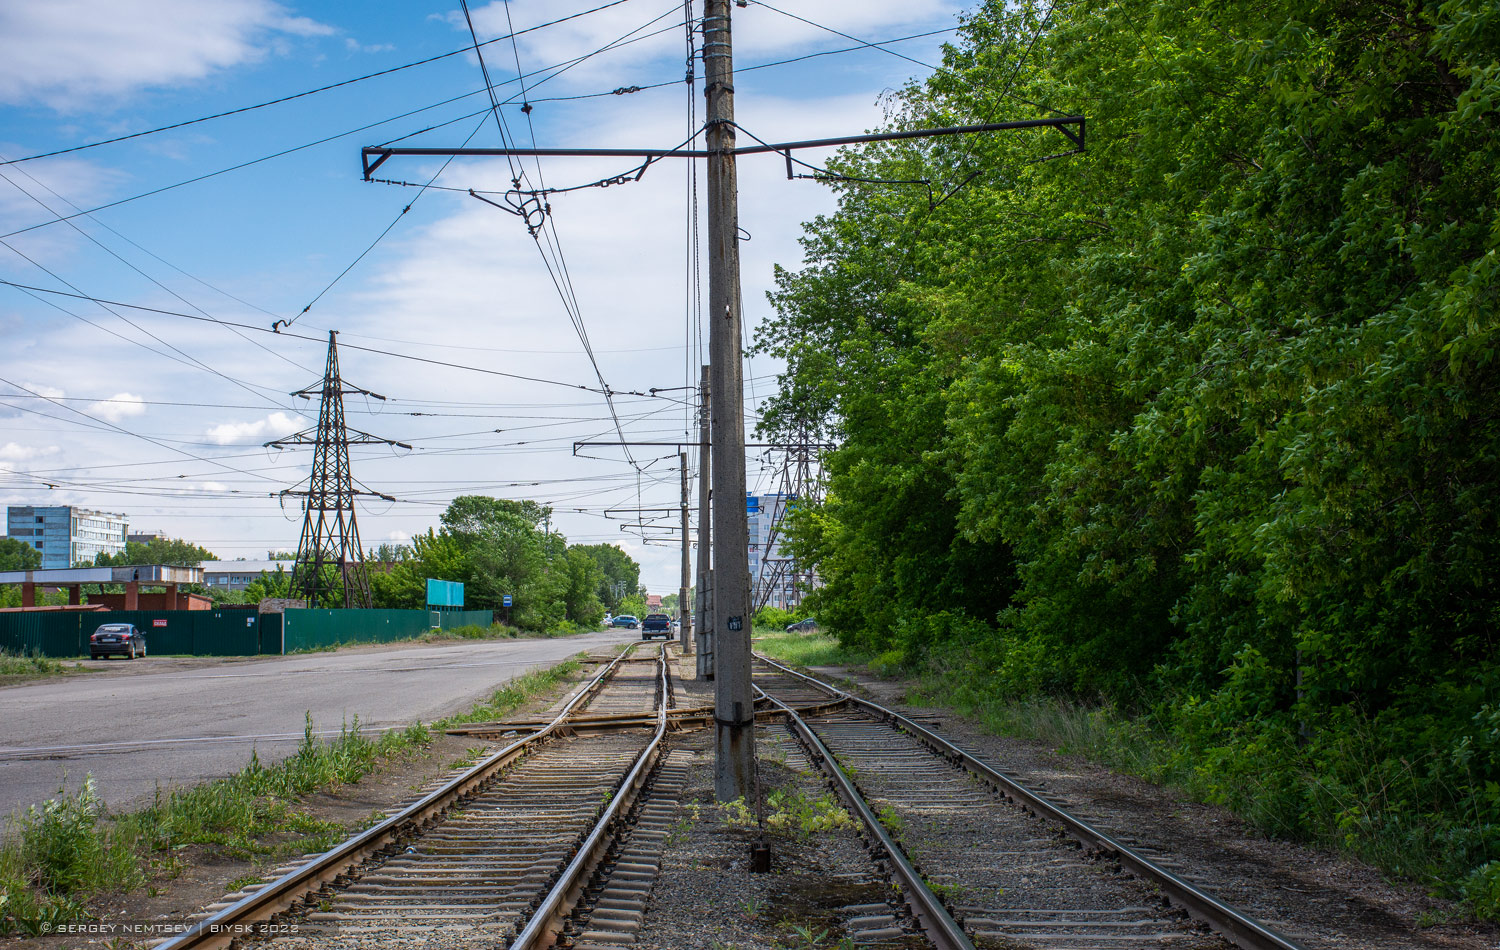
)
(653, 603)
(145, 537)
(774, 577)
(237, 575)
(65, 535)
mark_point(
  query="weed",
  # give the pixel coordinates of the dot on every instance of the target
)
(32, 663)
(891, 820)
(794, 813)
(808, 937)
(817, 649)
(240, 883)
(737, 814)
(946, 892)
(752, 908)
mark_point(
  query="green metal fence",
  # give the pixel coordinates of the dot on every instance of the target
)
(226, 632)
(50, 633)
(316, 629)
(189, 632)
(448, 619)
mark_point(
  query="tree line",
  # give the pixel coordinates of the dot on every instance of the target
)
(494, 546)
(1200, 423)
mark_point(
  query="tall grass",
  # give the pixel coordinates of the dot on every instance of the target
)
(58, 855)
(28, 664)
(810, 649)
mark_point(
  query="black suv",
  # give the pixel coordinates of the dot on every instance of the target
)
(656, 624)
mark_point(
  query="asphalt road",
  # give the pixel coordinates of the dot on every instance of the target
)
(161, 721)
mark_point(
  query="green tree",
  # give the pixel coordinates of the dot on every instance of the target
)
(166, 551)
(18, 555)
(582, 596)
(1204, 413)
(621, 575)
(275, 585)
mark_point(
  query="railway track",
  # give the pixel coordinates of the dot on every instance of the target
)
(490, 858)
(1039, 877)
(557, 837)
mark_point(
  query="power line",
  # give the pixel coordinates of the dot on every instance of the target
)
(112, 253)
(302, 95)
(378, 238)
(298, 336)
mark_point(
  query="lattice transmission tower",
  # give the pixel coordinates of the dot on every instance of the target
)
(329, 556)
(799, 481)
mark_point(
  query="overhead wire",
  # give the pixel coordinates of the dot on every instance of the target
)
(544, 232)
(300, 95)
(182, 356)
(112, 253)
(378, 238)
(296, 336)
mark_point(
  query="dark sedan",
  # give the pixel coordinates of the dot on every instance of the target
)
(808, 625)
(117, 639)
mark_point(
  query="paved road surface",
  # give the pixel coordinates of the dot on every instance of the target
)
(165, 721)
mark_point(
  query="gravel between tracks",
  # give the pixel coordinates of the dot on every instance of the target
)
(706, 898)
(1325, 901)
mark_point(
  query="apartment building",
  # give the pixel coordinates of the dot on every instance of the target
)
(65, 535)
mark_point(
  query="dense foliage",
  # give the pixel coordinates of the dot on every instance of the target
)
(1201, 422)
(171, 551)
(18, 555)
(498, 546)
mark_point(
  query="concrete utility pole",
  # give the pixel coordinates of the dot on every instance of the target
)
(705, 603)
(684, 615)
(734, 708)
(728, 622)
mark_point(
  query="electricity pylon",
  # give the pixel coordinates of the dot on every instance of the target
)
(800, 482)
(330, 537)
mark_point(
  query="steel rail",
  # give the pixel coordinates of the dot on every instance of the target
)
(1242, 931)
(941, 928)
(238, 919)
(687, 715)
(546, 923)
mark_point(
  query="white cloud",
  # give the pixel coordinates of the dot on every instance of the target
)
(758, 31)
(276, 424)
(13, 452)
(400, 537)
(118, 406)
(354, 46)
(212, 486)
(41, 389)
(67, 53)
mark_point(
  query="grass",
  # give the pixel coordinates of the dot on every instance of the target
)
(809, 649)
(472, 631)
(32, 665)
(58, 855)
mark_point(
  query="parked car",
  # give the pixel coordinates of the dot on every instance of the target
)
(656, 625)
(122, 639)
(626, 621)
(808, 625)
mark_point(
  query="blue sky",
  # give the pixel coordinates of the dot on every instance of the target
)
(163, 418)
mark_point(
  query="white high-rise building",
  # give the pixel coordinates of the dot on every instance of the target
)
(65, 535)
(774, 578)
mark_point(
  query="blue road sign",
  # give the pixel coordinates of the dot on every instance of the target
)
(505, 600)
